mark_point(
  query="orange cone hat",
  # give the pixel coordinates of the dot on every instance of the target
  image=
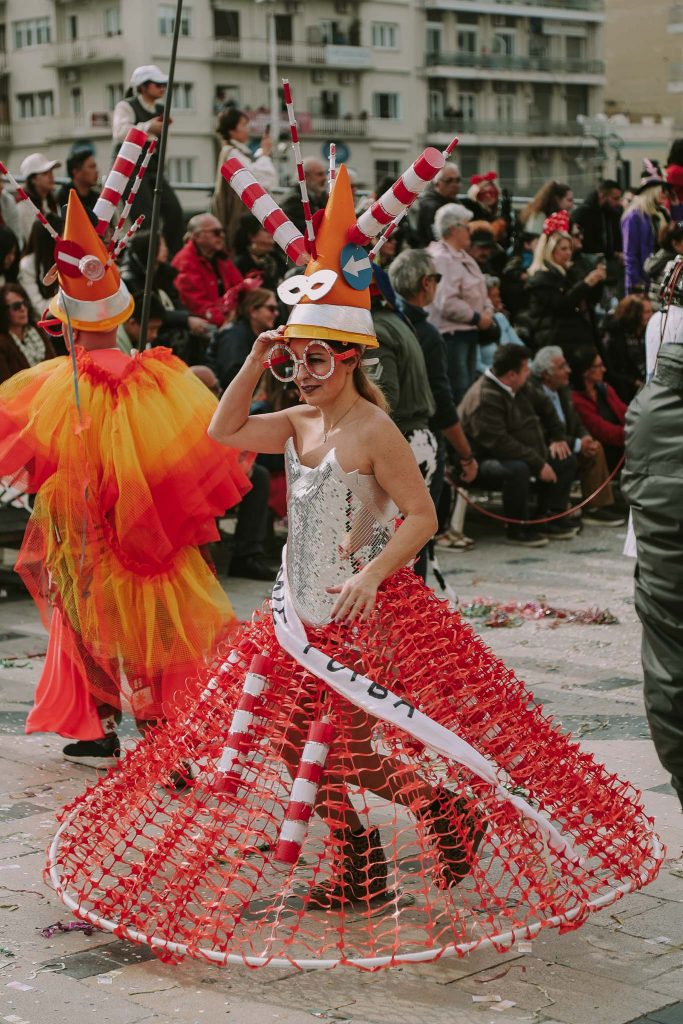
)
(93, 293)
(343, 311)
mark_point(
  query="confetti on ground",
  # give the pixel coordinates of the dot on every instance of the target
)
(513, 613)
(19, 986)
(72, 926)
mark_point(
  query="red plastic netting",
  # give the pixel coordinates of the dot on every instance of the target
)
(408, 855)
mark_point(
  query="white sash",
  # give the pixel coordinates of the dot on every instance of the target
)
(379, 701)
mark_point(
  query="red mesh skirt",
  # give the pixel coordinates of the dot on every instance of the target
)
(407, 856)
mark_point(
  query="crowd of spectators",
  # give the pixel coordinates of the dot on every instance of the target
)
(509, 344)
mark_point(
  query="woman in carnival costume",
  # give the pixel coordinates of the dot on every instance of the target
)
(128, 485)
(367, 783)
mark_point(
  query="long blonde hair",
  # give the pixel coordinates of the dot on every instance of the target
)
(543, 253)
(646, 202)
(366, 388)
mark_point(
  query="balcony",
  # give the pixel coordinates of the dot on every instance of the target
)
(551, 66)
(97, 50)
(562, 7)
(255, 51)
(503, 129)
(310, 125)
(676, 18)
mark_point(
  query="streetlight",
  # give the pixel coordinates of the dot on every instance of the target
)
(274, 100)
(600, 129)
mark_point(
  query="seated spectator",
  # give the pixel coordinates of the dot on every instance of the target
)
(559, 311)
(670, 246)
(508, 335)
(128, 334)
(21, 343)
(624, 345)
(9, 254)
(255, 252)
(483, 196)
(598, 219)
(233, 128)
(551, 197)
(601, 410)
(550, 375)
(444, 189)
(37, 260)
(315, 176)
(256, 311)
(507, 424)
(461, 307)
(39, 185)
(516, 274)
(186, 334)
(205, 273)
(414, 278)
(81, 168)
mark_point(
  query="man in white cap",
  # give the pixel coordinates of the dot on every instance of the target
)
(39, 183)
(143, 108)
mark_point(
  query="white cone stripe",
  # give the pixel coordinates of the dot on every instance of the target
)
(130, 151)
(315, 753)
(253, 684)
(241, 721)
(263, 206)
(242, 179)
(227, 759)
(286, 234)
(293, 832)
(412, 180)
(117, 181)
(304, 792)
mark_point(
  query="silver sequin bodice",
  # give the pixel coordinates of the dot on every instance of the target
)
(338, 522)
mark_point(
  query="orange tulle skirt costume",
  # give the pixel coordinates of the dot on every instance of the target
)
(128, 487)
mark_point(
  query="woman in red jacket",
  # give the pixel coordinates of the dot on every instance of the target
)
(599, 406)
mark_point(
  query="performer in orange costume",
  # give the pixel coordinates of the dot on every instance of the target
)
(128, 487)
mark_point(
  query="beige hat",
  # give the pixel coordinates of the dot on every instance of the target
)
(36, 163)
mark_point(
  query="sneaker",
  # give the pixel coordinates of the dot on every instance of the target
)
(525, 536)
(104, 753)
(559, 530)
(252, 567)
(604, 517)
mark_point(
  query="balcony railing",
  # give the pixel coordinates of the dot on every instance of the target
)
(310, 124)
(496, 62)
(85, 51)
(570, 5)
(256, 51)
(479, 126)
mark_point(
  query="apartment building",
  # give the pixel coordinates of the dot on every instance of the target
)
(379, 77)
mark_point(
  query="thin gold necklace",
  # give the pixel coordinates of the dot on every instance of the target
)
(326, 433)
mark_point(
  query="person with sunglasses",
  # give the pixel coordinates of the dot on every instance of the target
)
(205, 272)
(21, 343)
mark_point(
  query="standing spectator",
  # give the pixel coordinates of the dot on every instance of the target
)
(625, 345)
(9, 212)
(81, 167)
(484, 248)
(640, 226)
(315, 176)
(256, 311)
(599, 218)
(461, 306)
(143, 108)
(186, 334)
(508, 335)
(39, 185)
(9, 254)
(559, 311)
(516, 274)
(21, 343)
(507, 424)
(255, 252)
(670, 246)
(233, 128)
(205, 273)
(599, 406)
(552, 197)
(36, 262)
(550, 374)
(674, 177)
(444, 190)
(482, 196)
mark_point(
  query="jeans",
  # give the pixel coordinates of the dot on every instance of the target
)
(252, 516)
(461, 350)
(514, 478)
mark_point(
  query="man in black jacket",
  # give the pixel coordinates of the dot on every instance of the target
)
(599, 219)
(444, 190)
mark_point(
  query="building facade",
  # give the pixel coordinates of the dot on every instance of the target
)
(381, 78)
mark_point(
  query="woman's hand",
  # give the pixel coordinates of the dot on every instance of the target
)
(357, 596)
(265, 342)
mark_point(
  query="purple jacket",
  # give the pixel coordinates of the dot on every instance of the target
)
(638, 236)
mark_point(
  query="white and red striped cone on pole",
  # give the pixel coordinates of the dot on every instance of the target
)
(118, 178)
(265, 209)
(227, 773)
(304, 792)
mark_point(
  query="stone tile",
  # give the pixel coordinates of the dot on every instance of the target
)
(669, 1015)
(665, 920)
(55, 999)
(13, 812)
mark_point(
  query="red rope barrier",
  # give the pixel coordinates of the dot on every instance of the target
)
(546, 519)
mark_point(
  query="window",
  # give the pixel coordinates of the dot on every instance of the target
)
(284, 31)
(436, 105)
(576, 48)
(468, 106)
(183, 96)
(467, 40)
(31, 32)
(384, 35)
(226, 24)
(386, 105)
(387, 169)
(72, 27)
(111, 20)
(181, 169)
(504, 44)
(167, 20)
(225, 96)
(505, 108)
(114, 94)
(35, 104)
(76, 102)
(434, 38)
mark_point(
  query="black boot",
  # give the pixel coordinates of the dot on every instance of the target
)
(363, 872)
(456, 832)
(104, 753)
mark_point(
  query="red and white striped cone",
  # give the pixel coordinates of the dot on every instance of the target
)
(399, 198)
(118, 177)
(132, 194)
(24, 198)
(299, 161)
(304, 792)
(266, 210)
(228, 770)
(386, 235)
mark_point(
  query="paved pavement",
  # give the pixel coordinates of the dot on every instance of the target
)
(625, 965)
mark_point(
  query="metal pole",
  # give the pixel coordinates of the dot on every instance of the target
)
(272, 89)
(156, 206)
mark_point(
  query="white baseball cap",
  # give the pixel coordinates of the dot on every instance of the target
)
(148, 73)
(36, 163)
